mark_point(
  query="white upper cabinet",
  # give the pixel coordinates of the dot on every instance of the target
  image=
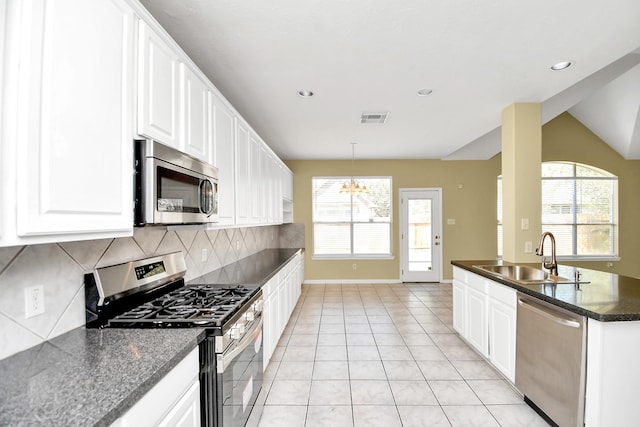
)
(224, 159)
(67, 121)
(196, 114)
(255, 166)
(158, 88)
(243, 173)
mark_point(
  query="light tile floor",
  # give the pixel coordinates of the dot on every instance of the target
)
(382, 355)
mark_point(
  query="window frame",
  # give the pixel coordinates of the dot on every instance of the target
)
(613, 255)
(351, 222)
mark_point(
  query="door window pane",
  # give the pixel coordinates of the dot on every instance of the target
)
(419, 235)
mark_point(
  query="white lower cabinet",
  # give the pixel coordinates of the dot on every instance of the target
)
(173, 401)
(484, 314)
(280, 296)
(502, 329)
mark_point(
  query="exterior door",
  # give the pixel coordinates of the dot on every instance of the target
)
(420, 235)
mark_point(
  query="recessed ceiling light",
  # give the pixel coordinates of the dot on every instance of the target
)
(305, 93)
(561, 65)
(425, 92)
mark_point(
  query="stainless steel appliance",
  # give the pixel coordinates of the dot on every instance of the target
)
(550, 360)
(172, 187)
(151, 293)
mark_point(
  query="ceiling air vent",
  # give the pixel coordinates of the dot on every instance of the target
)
(374, 117)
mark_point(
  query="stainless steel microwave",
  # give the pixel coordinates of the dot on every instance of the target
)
(172, 187)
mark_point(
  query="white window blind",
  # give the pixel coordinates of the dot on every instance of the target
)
(351, 223)
(579, 206)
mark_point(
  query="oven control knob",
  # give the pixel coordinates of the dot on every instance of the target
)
(257, 306)
(249, 316)
(236, 331)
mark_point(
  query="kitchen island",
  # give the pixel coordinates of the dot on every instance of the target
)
(611, 305)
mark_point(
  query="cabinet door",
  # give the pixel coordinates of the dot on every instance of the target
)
(186, 413)
(267, 335)
(476, 322)
(255, 166)
(459, 309)
(224, 159)
(74, 142)
(502, 338)
(243, 173)
(196, 116)
(158, 88)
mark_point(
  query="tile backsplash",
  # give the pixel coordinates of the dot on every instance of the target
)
(60, 267)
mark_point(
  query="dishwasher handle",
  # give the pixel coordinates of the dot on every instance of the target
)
(554, 316)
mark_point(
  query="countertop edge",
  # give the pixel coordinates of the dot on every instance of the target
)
(468, 265)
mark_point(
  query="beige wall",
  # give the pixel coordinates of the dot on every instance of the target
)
(565, 138)
(474, 206)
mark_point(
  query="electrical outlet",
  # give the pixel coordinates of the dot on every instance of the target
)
(528, 247)
(33, 301)
(204, 255)
(355, 266)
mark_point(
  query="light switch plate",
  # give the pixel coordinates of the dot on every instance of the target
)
(524, 223)
(451, 221)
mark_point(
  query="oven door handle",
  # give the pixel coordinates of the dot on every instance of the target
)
(226, 357)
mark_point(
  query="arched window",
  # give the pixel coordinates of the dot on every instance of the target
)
(579, 206)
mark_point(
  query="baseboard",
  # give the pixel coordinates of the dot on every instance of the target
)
(363, 282)
(351, 282)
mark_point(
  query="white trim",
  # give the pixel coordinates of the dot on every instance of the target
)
(586, 258)
(351, 281)
(348, 257)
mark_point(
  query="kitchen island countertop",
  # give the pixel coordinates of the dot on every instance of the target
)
(607, 297)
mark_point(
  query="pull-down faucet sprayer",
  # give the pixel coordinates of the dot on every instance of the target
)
(552, 266)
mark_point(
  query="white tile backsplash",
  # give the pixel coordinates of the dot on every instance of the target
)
(60, 268)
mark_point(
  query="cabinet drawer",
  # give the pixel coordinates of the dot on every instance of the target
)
(476, 282)
(502, 293)
(460, 274)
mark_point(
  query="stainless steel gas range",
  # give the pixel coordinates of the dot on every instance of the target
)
(151, 293)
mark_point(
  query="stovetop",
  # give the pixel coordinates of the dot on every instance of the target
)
(188, 306)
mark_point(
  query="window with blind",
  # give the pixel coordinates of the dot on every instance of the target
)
(579, 206)
(351, 216)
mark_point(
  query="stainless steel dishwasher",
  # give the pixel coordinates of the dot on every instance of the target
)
(550, 360)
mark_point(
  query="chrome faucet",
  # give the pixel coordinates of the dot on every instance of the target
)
(552, 266)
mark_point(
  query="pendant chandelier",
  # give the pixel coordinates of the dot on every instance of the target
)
(353, 186)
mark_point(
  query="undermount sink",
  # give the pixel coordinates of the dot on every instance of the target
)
(521, 273)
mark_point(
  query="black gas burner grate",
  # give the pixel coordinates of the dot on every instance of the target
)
(193, 305)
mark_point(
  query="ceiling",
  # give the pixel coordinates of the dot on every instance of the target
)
(373, 56)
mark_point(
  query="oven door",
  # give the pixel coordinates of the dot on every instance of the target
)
(239, 378)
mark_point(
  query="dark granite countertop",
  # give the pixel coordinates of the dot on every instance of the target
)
(256, 269)
(607, 297)
(88, 376)
(93, 376)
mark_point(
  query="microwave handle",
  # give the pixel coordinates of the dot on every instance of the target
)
(206, 197)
